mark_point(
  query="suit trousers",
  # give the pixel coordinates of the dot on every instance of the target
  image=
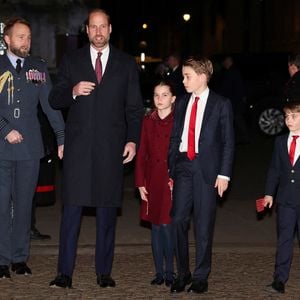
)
(106, 218)
(191, 194)
(288, 222)
(18, 181)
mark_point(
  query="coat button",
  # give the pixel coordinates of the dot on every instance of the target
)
(292, 171)
(292, 181)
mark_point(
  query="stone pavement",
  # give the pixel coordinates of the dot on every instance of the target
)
(243, 252)
(236, 274)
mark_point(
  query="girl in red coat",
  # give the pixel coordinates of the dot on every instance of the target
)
(152, 180)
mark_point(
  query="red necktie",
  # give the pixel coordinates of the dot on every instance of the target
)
(191, 153)
(293, 148)
(98, 67)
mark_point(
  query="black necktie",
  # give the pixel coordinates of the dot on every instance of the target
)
(18, 66)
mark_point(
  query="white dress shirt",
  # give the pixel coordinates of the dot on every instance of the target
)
(199, 118)
(104, 57)
(13, 59)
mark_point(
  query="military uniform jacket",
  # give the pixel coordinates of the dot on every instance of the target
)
(20, 95)
(283, 179)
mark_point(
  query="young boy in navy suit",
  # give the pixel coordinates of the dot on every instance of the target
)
(283, 180)
(200, 161)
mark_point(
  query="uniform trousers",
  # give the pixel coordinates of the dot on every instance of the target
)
(18, 181)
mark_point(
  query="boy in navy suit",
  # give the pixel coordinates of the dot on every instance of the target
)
(283, 180)
(200, 162)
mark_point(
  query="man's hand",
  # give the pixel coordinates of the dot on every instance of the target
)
(14, 137)
(83, 88)
(129, 152)
(60, 151)
(268, 201)
(222, 185)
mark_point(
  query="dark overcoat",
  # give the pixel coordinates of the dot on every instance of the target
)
(152, 168)
(97, 126)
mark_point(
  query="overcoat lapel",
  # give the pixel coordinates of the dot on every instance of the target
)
(87, 65)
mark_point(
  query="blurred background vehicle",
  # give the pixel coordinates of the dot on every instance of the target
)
(265, 76)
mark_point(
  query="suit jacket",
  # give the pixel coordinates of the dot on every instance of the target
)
(283, 179)
(97, 126)
(216, 140)
(20, 95)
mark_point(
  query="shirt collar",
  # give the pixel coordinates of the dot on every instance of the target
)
(13, 58)
(203, 95)
(94, 52)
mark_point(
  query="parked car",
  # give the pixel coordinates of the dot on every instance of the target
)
(265, 76)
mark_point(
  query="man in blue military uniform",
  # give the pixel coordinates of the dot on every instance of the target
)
(24, 83)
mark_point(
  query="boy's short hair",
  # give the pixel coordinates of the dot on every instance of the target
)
(201, 65)
(292, 105)
(294, 59)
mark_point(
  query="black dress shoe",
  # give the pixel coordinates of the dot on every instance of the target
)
(105, 281)
(158, 280)
(36, 235)
(62, 281)
(169, 282)
(20, 268)
(169, 278)
(4, 272)
(198, 287)
(180, 282)
(275, 287)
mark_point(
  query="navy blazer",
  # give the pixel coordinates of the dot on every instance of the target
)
(216, 140)
(283, 179)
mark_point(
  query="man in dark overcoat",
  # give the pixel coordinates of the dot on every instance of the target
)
(100, 86)
(24, 84)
